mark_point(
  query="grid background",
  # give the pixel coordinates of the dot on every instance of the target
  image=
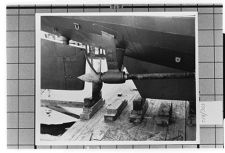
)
(21, 67)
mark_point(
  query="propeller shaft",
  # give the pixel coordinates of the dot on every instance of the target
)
(117, 77)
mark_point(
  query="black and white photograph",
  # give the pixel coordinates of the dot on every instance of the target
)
(117, 78)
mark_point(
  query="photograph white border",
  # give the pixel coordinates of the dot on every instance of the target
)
(38, 72)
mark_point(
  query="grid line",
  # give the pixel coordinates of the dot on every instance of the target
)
(214, 62)
(35, 146)
(18, 77)
(108, 6)
(214, 54)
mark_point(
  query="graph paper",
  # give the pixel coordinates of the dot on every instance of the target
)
(21, 67)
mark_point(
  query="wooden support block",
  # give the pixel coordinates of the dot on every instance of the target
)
(164, 114)
(61, 103)
(138, 112)
(137, 116)
(115, 109)
(164, 109)
(89, 112)
(93, 108)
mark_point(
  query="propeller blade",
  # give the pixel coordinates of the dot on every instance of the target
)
(90, 77)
